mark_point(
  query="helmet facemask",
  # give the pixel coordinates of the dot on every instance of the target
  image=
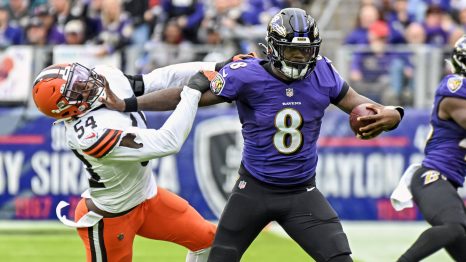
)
(295, 60)
(82, 89)
(458, 57)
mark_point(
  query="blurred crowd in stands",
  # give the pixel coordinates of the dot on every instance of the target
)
(381, 70)
(115, 24)
(175, 31)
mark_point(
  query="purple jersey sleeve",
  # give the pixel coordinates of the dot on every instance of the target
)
(228, 83)
(443, 150)
(452, 86)
(337, 86)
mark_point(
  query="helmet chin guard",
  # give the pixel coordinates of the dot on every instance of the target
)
(293, 72)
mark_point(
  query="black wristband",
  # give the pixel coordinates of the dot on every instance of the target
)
(401, 111)
(131, 104)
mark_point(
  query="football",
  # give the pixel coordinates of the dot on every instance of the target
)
(360, 110)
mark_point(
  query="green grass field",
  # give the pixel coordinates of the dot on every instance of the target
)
(53, 242)
(65, 245)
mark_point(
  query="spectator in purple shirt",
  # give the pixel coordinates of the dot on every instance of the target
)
(54, 35)
(188, 14)
(18, 10)
(377, 70)
(9, 35)
(368, 14)
(436, 34)
(36, 33)
(115, 28)
(398, 20)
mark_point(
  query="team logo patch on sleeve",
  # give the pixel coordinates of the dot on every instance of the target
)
(455, 83)
(217, 84)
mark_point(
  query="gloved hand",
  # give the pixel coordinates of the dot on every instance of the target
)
(235, 58)
(201, 80)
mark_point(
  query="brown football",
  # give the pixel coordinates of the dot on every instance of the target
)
(360, 110)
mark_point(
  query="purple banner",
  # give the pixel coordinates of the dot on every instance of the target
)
(37, 170)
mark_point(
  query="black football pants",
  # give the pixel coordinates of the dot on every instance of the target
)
(302, 211)
(441, 206)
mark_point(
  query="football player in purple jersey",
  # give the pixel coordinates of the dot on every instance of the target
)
(281, 102)
(434, 185)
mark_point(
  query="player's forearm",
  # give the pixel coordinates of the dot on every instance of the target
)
(179, 124)
(163, 100)
(353, 99)
(168, 99)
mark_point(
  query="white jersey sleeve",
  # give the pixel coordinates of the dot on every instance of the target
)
(168, 139)
(121, 177)
(173, 75)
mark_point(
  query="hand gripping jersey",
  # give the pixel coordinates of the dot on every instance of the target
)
(446, 146)
(121, 177)
(280, 122)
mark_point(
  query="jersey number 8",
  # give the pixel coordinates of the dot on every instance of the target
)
(288, 139)
(238, 65)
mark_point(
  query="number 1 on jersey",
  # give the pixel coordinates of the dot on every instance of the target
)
(288, 139)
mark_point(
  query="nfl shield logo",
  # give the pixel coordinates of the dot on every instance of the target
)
(242, 184)
(289, 92)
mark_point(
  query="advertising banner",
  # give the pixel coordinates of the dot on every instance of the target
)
(37, 170)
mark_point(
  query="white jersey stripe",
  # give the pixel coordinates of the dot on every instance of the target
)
(96, 242)
(53, 71)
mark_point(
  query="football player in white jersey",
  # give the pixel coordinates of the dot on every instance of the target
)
(123, 199)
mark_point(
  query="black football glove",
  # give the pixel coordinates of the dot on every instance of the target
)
(235, 58)
(201, 80)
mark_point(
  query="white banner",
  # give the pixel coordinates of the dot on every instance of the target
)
(85, 55)
(15, 74)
